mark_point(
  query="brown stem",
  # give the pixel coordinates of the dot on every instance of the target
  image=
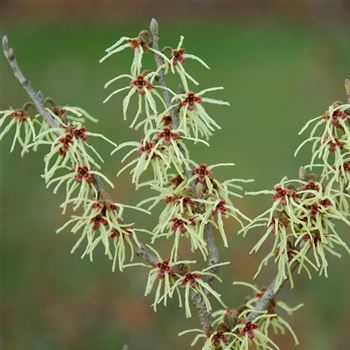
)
(214, 256)
(347, 89)
(36, 96)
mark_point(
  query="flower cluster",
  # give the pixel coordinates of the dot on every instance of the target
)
(102, 223)
(23, 123)
(162, 149)
(234, 329)
(188, 209)
(167, 278)
(301, 218)
(74, 164)
(138, 45)
(193, 197)
(193, 116)
(330, 138)
(169, 120)
(301, 221)
(176, 61)
(192, 283)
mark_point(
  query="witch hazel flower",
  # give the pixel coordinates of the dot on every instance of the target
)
(171, 140)
(193, 283)
(282, 221)
(194, 119)
(220, 210)
(176, 61)
(22, 122)
(161, 278)
(64, 116)
(69, 146)
(246, 333)
(311, 241)
(203, 175)
(329, 137)
(174, 137)
(287, 197)
(161, 149)
(138, 45)
(178, 202)
(79, 184)
(208, 186)
(146, 90)
(149, 154)
(183, 226)
(339, 176)
(319, 235)
(101, 224)
(141, 85)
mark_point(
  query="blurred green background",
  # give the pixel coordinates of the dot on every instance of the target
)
(281, 63)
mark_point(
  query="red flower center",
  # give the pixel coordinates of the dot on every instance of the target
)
(176, 180)
(117, 234)
(202, 171)
(97, 221)
(178, 56)
(82, 173)
(67, 138)
(148, 147)
(179, 224)
(167, 135)
(190, 278)
(283, 194)
(187, 202)
(315, 237)
(140, 83)
(315, 207)
(221, 206)
(218, 338)
(138, 42)
(249, 329)
(336, 117)
(164, 268)
(191, 99)
(334, 145)
(346, 167)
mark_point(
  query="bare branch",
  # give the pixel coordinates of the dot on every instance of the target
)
(154, 29)
(269, 295)
(36, 96)
(347, 89)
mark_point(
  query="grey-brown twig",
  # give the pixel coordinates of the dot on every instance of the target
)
(347, 89)
(214, 256)
(36, 96)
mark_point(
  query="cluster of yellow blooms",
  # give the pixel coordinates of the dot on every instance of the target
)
(301, 220)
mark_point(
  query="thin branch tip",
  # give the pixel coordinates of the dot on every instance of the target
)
(154, 25)
(5, 41)
(347, 88)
